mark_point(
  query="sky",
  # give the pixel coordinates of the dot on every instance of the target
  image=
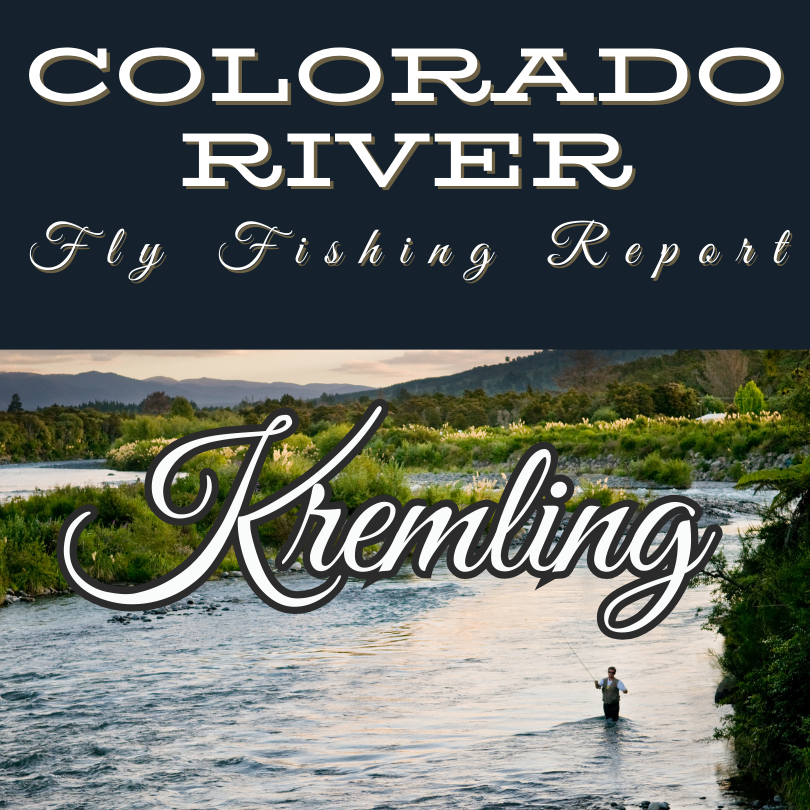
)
(372, 367)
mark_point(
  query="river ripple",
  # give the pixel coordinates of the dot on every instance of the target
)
(441, 693)
(436, 693)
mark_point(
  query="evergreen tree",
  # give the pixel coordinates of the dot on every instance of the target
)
(15, 406)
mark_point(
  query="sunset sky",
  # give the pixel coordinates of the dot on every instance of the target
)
(373, 367)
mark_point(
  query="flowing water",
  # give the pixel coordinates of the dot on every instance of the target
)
(22, 480)
(436, 693)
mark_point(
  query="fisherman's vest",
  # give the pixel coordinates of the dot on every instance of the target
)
(610, 694)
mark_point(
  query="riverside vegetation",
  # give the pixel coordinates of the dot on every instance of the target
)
(761, 604)
(665, 445)
(761, 607)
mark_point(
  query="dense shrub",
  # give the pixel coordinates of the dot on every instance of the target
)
(327, 439)
(600, 491)
(136, 455)
(182, 407)
(365, 477)
(762, 609)
(604, 414)
(56, 433)
(146, 427)
(462, 494)
(713, 404)
(673, 472)
(749, 399)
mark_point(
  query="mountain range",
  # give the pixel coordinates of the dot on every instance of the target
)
(538, 370)
(41, 390)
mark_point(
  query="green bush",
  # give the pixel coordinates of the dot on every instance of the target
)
(604, 415)
(329, 438)
(749, 399)
(736, 471)
(182, 407)
(282, 470)
(365, 477)
(713, 404)
(672, 472)
(146, 427)
(136, 456)
(480, 489)
(600, 491)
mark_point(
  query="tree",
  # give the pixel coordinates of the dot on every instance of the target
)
(724, 372)
(113, 427)
(156, 403)
(749, 399)
(15, 406)
(674, 399)
(572, 406)
(182, 407)
(536, 409)
(630, 400)
(69, 429)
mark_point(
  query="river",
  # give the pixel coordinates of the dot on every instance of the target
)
(436, 693)
(22, 480)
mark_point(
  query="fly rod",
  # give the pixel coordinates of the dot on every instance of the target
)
(578, 658)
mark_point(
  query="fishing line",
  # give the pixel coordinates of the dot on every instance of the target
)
(575, 653)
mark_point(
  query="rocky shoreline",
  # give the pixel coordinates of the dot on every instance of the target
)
(11, 596)
(717, 507)
(721, 469)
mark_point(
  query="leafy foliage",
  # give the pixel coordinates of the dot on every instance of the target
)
(182, 407)
(749, 399)
(674, 472)
(762, 608)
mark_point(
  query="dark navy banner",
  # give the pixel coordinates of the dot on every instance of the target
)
(296, 176)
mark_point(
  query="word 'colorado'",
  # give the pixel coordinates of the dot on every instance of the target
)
(416, 75)
(474, 540)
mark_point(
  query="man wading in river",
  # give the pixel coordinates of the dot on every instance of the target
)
(611, 687)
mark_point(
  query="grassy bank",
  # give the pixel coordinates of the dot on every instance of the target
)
(666, 450)
(127, 543)
(647, 448)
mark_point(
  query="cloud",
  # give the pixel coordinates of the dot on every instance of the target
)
(17, 359)
(374, 367)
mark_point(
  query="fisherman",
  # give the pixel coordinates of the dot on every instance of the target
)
(611, 686)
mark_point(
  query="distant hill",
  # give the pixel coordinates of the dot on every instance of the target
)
(683, 366)
(41, 390)
(538, 370)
